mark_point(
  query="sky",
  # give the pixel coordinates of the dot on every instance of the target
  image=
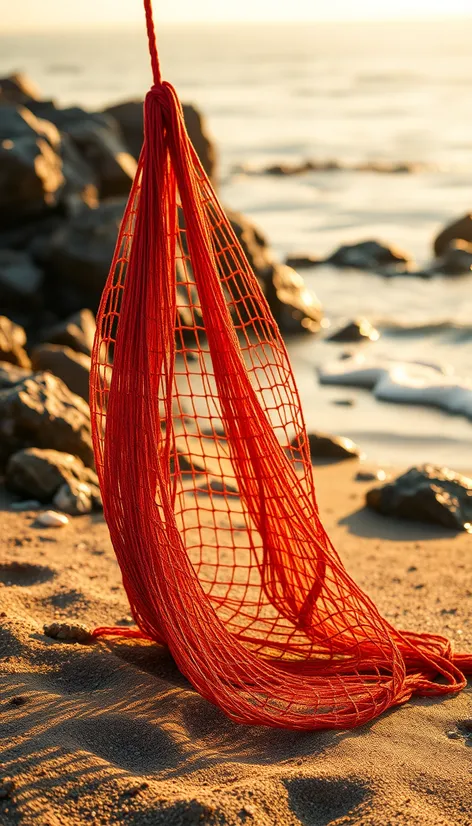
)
(47, 14)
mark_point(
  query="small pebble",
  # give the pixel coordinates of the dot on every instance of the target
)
(6, 789)
(453, 735)
(19, 700)
(52, 519)
(370, 476)
(27, 505)
(67, 632)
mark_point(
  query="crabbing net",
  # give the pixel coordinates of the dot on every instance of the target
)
(206, 477)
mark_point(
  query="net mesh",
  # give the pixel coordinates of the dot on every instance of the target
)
(205, 471)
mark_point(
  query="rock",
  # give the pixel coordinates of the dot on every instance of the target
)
(76, 332)
(203, 144)
(370, 476)
(18, 88)
(98, 140)
(76, 498)
(294, 307)
(428, 494)
(11, 374)
(68, 632)
(31, 176)
(358, 330)
(20, 280)
(301, 261)
(73, 368)
(42, 411)
(457, 259)
(460, 230)
(42, 473)
(82, 250)
(51, 519)
(129, 116)
(324, 446)
(368, 255)
(12, 341)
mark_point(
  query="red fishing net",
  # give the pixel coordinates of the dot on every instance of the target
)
(206, 476)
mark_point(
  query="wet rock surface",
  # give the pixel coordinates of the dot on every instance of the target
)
(359, 330)
(427, 494)
(73, 368)
(459, 230)
(12, 343)
(76, 332)
(11, 374)
(45, 474)
(41, 411)
(326, 446)
(369, 255)
(294, 307)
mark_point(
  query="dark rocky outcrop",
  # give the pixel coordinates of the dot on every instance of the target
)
(47, 475)
(97, 138)
(359, 330)
(31, 175)
(73, 368)
(42, 412)
(302, 261)
(456, 260)
(76, 332)
(460, 230)
(325, 446)
(129, 116)
(295, 308)
(18, 88)
(369, 255)
(11, 374)
(80, 254)
(428, 494)
(12, 343)
(20, 280)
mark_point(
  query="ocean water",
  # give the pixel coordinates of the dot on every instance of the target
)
(349, 92)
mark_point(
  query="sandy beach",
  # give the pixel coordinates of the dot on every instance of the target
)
(112, 733)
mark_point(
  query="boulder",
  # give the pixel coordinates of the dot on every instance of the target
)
(129, 116)
(41, 474)
(427, 494)
(76, 498)
(11, 374)
(18, 88)
(294, 307)
(460, 230)
(369, 255)
(20, 280)
(254, 244)
(76, 332)
(456, 260)
(324, 446)
(41, 411)
(12, 343)
(73, 368)
(359, 330)
(81, 252)
(302, 261)
(31, 175)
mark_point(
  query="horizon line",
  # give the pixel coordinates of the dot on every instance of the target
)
(100, 25)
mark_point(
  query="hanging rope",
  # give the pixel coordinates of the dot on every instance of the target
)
(206, 477)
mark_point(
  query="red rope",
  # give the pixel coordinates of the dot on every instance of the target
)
(151, 33)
